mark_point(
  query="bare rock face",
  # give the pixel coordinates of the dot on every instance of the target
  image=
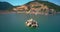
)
(21, 8)
(41, 7)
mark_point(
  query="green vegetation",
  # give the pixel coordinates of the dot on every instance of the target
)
(36, 6)
(49, 4)
(7, 6)
(4, 6)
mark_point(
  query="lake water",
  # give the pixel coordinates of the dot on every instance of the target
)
(16, 23)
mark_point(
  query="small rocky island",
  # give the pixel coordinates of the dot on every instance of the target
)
(32, 7)
(31, 23)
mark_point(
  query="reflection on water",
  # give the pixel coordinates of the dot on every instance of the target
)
(16, 23)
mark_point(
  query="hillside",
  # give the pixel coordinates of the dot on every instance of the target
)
(39, 7)
(46, 3)
(5, 6)
(40, 4)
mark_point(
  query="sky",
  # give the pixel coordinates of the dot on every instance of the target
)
(21, 2)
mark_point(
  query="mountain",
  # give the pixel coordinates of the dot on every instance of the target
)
(49, 4)
(5, 6)
(38, 6)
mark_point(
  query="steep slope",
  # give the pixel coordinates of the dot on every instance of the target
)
(46, 3)
(36, 5)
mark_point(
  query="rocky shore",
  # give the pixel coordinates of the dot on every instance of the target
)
(36, 13)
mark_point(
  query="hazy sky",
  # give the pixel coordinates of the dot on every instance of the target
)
(21, 2)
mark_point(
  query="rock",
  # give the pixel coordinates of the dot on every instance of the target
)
(31, 23)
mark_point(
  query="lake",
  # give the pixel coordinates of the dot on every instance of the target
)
(16, 23)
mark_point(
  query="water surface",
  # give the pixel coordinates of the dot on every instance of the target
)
(16, 23)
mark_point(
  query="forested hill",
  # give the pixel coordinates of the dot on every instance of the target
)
(5, 6)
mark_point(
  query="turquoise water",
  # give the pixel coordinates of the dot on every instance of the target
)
(16, 23)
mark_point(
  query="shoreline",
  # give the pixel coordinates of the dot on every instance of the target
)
(36, 13)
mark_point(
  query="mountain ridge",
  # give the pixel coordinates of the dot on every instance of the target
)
(50, 5)
(28, 6)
